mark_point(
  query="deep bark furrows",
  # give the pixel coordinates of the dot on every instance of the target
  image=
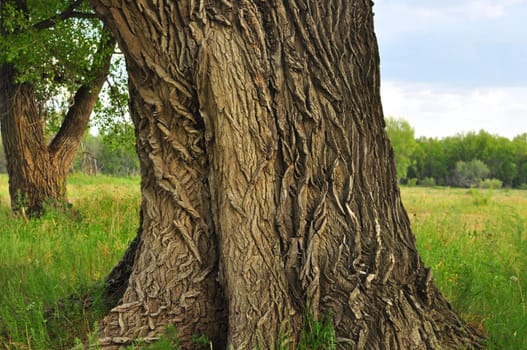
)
(260, 127)
(358, 255)
(242, 177)
(174, 280)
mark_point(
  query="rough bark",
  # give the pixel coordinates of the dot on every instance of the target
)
(38, 170)
(268, 180)
(28, 163)
(173, 281)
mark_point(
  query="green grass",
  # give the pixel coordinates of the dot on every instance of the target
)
(474, 240)
(50, 265)
(476, 243)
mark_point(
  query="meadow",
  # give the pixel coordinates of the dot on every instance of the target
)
(475, 241)
(51, 268)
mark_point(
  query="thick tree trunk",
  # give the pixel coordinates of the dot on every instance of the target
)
(268, 181)
(37, 171)
(32, 177)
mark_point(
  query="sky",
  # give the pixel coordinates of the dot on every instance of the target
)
(451, 67)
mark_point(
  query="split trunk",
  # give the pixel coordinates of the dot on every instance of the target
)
(37, 168)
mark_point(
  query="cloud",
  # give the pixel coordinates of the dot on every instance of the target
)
(469, 42)
(454, 66)
(410, 16)
(439, 111)
(480, 10)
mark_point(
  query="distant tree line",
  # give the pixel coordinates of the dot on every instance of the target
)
(473, 159)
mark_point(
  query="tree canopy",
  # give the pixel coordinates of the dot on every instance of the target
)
(52, 44)
(55, 45)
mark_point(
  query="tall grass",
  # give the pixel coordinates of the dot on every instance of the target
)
(475, 241)
(48, 266)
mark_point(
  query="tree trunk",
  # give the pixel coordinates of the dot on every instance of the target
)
(268, 181)
(37, 171)
(28, 161)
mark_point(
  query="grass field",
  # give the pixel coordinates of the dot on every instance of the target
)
(49, 265)
(475, 241)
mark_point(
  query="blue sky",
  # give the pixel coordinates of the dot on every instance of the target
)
(454, 66)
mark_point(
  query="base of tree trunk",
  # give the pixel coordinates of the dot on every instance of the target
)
(116, 282)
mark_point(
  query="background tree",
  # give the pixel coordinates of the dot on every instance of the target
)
(520, 149)
(434, 160)
(87, 158)
(470, 174)
(503, 162)
(268, 182)
(404, 145)
(117, 155)
(430, 161)
(54, 57)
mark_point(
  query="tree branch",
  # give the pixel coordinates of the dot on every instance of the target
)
(63, 146)
(86, 15)
(69, 12)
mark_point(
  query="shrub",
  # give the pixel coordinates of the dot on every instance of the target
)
(427, 182)
(469, 174)
(479, 197)
(491, 184)
(412, 182)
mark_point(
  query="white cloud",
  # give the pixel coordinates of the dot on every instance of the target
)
(408, 16)
(480, 9)
(475, 48)
(439, 111)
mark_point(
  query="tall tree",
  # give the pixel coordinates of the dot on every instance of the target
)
(520, 145)
(42, 55)
(402, 138)
(268, 181)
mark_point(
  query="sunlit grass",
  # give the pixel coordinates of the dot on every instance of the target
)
(49, 266)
